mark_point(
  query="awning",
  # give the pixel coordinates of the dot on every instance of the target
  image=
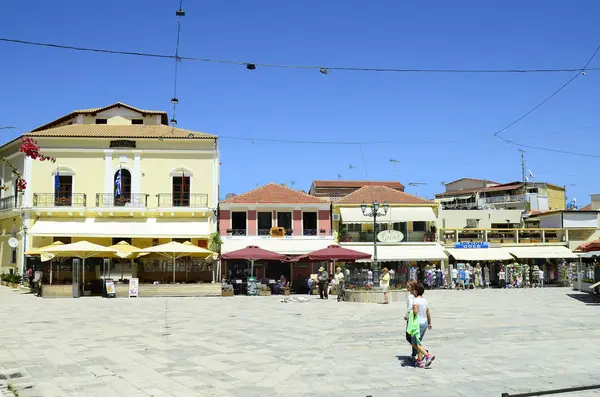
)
(140, 228)
(542, 252)
(480, 254)
(399, 253)
(287, 246)
(464, 197)
(447, 200)
(404, 214)
(588, 254)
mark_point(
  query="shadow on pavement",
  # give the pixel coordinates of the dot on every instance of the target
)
(588, 299)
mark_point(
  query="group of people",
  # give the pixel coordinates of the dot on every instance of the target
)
(469, 277)
(325, 281)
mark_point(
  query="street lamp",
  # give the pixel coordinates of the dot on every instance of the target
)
(374, 213)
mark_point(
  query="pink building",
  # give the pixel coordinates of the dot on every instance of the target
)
(276, 218)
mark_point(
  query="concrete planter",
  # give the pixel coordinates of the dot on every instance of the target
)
(585, 287)
(374, 296)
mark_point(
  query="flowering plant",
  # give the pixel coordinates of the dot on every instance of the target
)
(30, 148)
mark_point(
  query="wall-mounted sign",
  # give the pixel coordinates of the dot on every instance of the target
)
(472, 244)
(277, 232)
(390, 236)
(122, 143)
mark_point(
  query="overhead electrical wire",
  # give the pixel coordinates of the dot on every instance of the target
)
(322, 69)
(579, 73)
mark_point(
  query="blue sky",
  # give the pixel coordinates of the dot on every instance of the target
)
(441, 124)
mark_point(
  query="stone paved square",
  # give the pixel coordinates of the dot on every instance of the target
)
(486, 342)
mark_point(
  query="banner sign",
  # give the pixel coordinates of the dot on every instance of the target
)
(472, 244)
(134, 285)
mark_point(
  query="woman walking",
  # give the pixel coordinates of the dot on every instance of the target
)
(410, 299)
(384, 283)
(419, 321)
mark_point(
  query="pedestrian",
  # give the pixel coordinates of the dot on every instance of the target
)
(420, 321)
(29, 275)
(323, 278)
(384, 283)
(461, 278)
(467, 278)
(309, 284)
(454, 277)
(341, 284)
(410, 298)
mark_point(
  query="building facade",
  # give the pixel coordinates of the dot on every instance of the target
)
(276, 218)
(121, 174)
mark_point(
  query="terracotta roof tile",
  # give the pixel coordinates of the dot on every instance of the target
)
(586, 208)
(369, 194)
(356, 184)
(96, 110)
(120, 131)
(273, 193)
(471, 179)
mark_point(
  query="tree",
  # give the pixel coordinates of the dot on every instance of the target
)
(30, 148)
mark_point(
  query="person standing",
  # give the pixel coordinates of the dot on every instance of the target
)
(323, 283)
(309, 284)
(467, 278)
(419, 322)
(454, 277)
(384, 283)
(341, 284)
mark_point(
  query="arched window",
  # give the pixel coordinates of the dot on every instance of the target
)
(122, 184)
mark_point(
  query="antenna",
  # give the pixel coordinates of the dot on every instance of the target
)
(395, 162)
(292, 183)
(416, 185)
(339, 176)
(523, 165)
(351, 166)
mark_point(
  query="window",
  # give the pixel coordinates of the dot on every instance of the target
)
(122, 187)
(354, 227)
(64, 193)
(309, 223)
(265, 222)
(284, 220)
(181, 191)
(472, 223)
(64, 240)
(238, 223)
(101, 121)
(137, 121)
(532, 190)
(419, 226)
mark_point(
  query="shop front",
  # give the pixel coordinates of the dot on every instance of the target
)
(494, 259)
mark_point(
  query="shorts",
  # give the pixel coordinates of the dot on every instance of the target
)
(461, 283)
(385, 288)
(417, 338)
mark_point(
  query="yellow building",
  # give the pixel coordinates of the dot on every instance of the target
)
(168, 178)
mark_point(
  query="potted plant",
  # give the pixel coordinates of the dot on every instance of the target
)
(3, 279)
(343, 235)
(264, 290)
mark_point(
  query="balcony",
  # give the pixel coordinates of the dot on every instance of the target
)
(10, 202)
(133, 200)
(236, 232)
(518, 198)
(168, 200)
(47, 200)
(503, 236)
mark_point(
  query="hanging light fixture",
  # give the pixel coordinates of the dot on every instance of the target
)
(174, 100)
(173, 121)
(250, 66)
(324, 71)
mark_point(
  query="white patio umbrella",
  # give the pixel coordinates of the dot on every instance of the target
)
(175, 250)
(45, 256)
(81, 249)
(124, 250)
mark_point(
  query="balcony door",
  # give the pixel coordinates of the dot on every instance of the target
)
(309, 224)
(181, 191)
(284, 220)
(63, 190)
(265, 222)
(122, 184)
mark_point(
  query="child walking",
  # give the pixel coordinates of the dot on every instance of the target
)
(419, 321)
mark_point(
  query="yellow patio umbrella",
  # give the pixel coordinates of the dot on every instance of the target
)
(81, 249)
(125, 250)
(175, 250)
(45, 256)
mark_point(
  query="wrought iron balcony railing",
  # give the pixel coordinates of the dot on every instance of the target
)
(133, 200)
(10, 202)
(197, 200)
(237, 232)
(59, 200)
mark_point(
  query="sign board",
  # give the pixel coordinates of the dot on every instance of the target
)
(472, 244)
(252, 291)
(13, 242)
(390, 236)
(110, 288)
(277, 232)
(134, 285)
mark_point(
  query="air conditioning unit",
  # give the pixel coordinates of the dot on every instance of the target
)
(335, 217)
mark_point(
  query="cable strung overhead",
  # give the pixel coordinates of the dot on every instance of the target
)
(321, 69)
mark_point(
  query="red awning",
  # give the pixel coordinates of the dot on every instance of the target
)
(334, 253)
(254, 253)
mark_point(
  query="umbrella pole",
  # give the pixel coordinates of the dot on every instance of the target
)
(83, 273)
(251, 267)
(173, 269)
(186, 271)
(51, 271)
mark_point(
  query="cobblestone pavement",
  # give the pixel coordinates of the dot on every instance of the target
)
(486, 342)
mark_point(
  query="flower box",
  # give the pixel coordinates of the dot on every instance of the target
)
(264, 292)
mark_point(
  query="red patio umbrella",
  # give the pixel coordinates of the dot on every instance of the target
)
(253, 253)
(591, 246)
(334, 253)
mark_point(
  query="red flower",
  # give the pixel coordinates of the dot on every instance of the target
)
(21, 184)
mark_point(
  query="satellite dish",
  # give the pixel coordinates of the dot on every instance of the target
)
(13, 242)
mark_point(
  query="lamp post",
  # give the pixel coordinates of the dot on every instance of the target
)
(374, 213)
